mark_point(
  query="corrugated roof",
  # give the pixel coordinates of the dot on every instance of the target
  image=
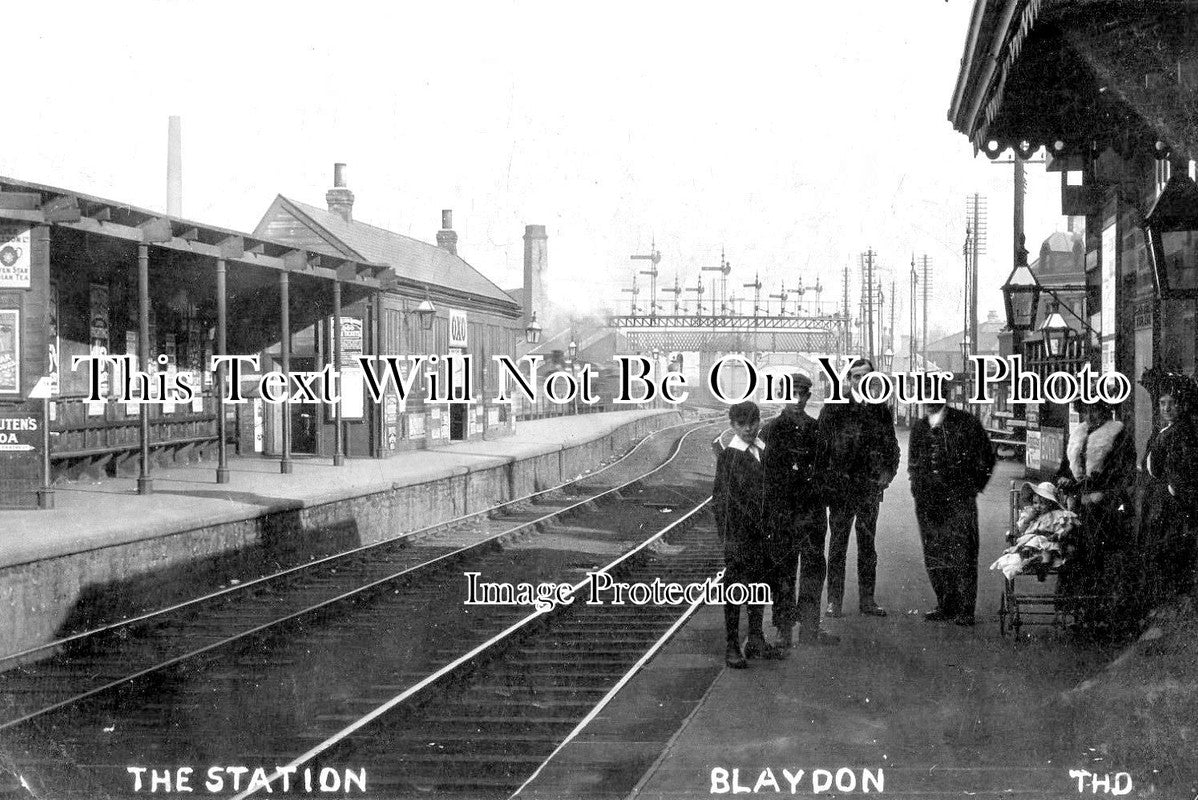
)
(410, 258)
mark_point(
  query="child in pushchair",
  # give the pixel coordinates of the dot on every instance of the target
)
(1044, 534)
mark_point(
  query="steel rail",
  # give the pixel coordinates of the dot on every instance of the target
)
(321, 562)
(330, 602)
(463, 660)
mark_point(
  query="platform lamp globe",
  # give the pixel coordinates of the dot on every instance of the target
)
(1171, 229)
(1021, 295)
(427, 312)
(1056, 332)
(532, 333)
(888, 360)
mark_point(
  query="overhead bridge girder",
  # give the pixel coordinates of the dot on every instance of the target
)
(763, 341)
(727, 322)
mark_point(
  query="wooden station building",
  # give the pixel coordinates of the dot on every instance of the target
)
(437, 304)
(1109, 88)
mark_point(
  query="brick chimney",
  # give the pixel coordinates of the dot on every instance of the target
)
(340, 199)
(536, 267)
(447, 239)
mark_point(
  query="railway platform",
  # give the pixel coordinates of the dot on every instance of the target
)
(105, 552)
(900, 707)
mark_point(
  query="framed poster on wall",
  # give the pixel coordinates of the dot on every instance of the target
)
(10, 351)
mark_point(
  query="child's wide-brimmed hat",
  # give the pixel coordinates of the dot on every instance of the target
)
(1045, 489)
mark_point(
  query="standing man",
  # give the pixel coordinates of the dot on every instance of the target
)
(949, 463)
(793, 456)
(863, 456)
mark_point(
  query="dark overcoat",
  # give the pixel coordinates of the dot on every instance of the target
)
(967, 465)
(738, 504)
(860, 448)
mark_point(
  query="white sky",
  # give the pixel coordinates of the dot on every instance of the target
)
(795, 135)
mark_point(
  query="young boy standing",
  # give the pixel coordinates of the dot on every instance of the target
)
(738, 502)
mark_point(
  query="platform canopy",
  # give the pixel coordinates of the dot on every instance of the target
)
(1070, 75)
(92, 238)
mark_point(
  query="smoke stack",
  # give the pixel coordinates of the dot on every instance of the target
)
(339, 198)
(447, 239)
(174, 167)
(536, 265)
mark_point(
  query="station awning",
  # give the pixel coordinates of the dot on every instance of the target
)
(1064, 74)
(21, 201)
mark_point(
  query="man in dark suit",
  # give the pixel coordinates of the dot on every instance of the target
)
(793, 461)
(949, 463)
(863, 456)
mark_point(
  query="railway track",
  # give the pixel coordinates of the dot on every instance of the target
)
(96, 661)
(486, 724)
(164, 714)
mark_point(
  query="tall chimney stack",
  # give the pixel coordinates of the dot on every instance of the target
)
(536, 265)
(447, 239)
(174, 167)
(339, 198)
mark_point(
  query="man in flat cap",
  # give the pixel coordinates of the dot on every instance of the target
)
(797, 520)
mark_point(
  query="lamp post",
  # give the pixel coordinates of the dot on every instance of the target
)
(888, 359)
(571, 354)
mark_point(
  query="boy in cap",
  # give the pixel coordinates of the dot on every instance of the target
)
(738, 503)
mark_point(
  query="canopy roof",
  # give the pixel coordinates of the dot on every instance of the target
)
(1070, 74)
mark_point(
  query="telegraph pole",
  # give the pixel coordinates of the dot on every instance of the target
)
(893, 303)
(848, 336)
(868, 260)
(975, 206)
(927, 283)
(911, 316)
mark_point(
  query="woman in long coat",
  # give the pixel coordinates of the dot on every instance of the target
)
(1098, 475)
(1169, 480)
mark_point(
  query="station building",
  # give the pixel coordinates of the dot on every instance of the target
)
(437, 304)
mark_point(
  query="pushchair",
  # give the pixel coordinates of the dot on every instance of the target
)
(1040, 550)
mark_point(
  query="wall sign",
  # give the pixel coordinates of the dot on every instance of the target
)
(1109, 297)
(351, 341)
(52, 342)
(14, 256)
(457, 328)
(1052, 449)
(10, 351)
(21, 453)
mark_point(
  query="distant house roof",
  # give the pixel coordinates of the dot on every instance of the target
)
(411, 259)
(987, 339)
(1061, 242)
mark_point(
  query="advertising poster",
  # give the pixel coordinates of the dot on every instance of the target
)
(14, 256)
(10, 351)
(53, 345)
